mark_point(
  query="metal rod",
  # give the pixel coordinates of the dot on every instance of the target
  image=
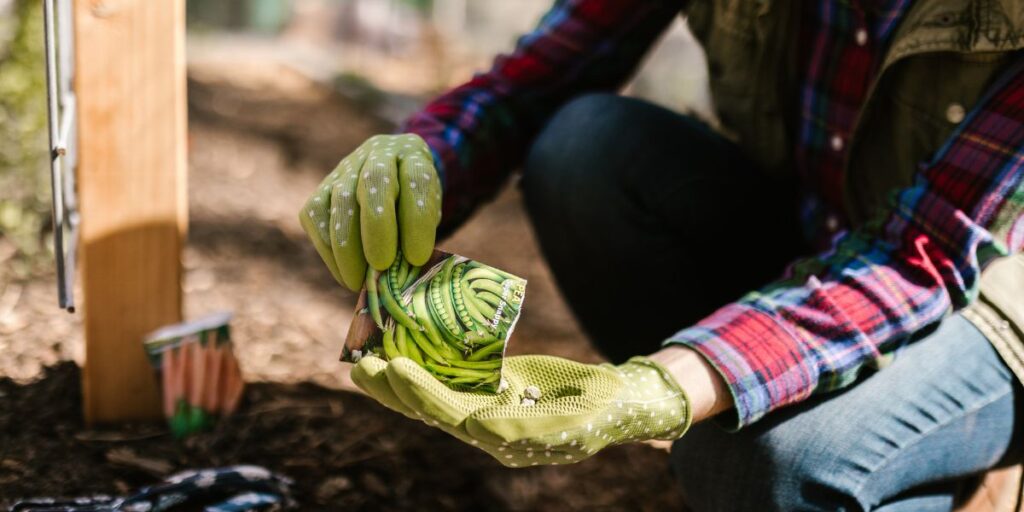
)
(56, 153)
(66, 122)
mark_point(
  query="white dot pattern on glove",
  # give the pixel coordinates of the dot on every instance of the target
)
(590, 421)
(363, 187)
(644, 403)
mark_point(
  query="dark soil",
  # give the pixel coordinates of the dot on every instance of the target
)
(343, 451)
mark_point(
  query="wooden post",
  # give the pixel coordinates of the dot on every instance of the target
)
(130, 84)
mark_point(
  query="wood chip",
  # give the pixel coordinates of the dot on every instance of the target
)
(128, 458)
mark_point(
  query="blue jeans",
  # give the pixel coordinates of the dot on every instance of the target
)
(649, 204)
(898, 440)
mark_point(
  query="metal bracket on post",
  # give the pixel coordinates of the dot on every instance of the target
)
(63, 155)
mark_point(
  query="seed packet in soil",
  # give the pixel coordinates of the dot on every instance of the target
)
(453, 316)
(199, 375)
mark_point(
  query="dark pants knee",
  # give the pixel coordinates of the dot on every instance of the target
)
(650, 220)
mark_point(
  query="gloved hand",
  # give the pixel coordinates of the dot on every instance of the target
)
(386, 189)
(581, 408)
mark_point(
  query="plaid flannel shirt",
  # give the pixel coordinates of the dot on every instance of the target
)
(831, 315)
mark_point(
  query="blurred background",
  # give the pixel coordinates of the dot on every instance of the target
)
(278, 92)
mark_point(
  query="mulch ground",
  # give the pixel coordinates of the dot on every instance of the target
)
(343, 451)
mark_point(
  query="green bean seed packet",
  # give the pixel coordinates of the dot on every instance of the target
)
(453, 316)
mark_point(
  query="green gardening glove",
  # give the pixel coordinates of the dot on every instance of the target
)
(385, 191)
(571, 411)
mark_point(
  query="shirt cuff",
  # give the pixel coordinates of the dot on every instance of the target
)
(762, 363)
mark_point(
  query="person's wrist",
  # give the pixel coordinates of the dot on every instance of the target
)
(707, 392)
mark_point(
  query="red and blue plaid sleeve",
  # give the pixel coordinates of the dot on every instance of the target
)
(835, 313)
(479, 131)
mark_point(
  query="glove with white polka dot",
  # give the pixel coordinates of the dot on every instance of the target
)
(385, 193)
(548, 410)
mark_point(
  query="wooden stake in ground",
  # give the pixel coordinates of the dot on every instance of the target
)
(130, 84)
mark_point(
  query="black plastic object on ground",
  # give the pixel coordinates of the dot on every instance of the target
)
(227, 489)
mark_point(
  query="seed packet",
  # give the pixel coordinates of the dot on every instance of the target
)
(199, 375)
(453, 316)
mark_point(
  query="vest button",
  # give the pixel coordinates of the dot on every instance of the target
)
(861, 36)
(832, 223)
(836, 142)
(955, 113)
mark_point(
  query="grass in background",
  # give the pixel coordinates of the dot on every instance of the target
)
(24, 177)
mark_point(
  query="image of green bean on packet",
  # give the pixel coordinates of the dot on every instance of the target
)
(453, 316)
